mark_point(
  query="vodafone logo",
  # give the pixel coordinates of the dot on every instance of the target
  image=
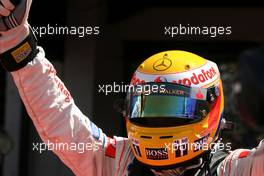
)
(196, 79)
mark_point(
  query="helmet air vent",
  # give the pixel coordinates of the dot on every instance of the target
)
(165, 137)
(146, 137)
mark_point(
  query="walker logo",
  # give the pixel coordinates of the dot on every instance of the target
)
(196, 78)
(156, 153)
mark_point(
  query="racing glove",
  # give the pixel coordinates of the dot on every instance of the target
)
(18, 44)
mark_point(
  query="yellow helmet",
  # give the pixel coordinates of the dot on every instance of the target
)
(178, 116)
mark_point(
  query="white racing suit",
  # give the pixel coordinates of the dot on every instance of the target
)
(58, 120)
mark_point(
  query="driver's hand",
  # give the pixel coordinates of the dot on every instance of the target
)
(18, 45)
(13, 23)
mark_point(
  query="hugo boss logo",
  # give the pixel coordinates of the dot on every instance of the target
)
(156, 153)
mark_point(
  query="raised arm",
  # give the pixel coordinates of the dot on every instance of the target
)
(80, 144)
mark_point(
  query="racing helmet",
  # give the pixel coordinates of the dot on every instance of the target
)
(174, 108)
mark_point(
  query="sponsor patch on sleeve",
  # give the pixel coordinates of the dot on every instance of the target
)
(243, 154)
(110, 150)
(22, 52)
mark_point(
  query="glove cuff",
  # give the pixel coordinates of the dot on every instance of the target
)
(18, 57)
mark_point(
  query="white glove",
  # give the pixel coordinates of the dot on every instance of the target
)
(14, 27)
(18, 44)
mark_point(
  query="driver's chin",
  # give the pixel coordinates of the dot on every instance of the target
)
(179, 171)
(169, 172)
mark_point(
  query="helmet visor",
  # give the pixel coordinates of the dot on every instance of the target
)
(171, 103)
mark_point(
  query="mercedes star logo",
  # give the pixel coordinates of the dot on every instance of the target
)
(162, 64)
